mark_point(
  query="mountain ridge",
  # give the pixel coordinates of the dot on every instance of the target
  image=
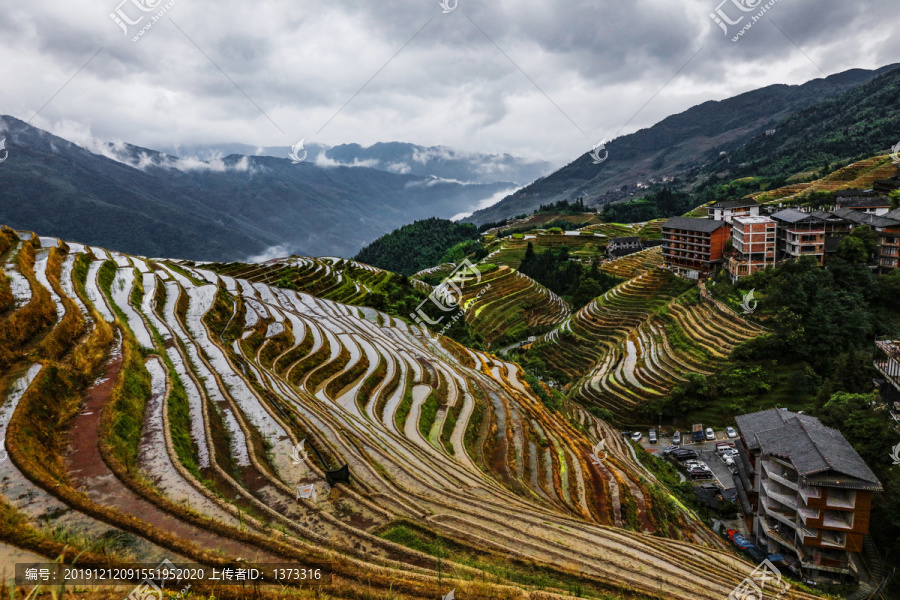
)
(677, 144)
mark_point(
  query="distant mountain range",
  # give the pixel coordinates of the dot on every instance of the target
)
(692, 139)
(394, 157)
(148, 202)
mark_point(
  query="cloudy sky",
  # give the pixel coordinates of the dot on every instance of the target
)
(534, 79)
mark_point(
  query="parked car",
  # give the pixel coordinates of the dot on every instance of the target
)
(710, 434)
(668, 450)
(626, 434)
(636, 436)
(729, 461)
(683, 454)
(730, 432)
(652, 436)
(676, 438)
(723, 447)
(700, 474)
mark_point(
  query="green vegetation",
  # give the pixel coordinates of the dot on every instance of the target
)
(568, 279)
(417, 246)
(664, 203)
(563, 207)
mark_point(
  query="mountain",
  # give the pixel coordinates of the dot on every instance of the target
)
(139, 200)
(677, 144)
(191, 414)
(395, 157)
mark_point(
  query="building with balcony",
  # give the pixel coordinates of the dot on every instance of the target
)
(887, 227)
(727, 210)
(694, 247)
(800, 234)
(810, 492)
(864, 201)
(753, 243)
(623, 246)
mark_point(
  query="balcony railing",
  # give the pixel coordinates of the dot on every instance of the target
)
(783, 480)
(790, 502)
(809, 492)
(836, 522)
(840, 501)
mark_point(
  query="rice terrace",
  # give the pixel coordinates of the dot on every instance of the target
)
(450, 300)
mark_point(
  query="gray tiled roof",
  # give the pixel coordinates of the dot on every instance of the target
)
(865, 202)
(862, 218)
(704, 225)
(792, 215)
(623, 241)
(894, 214)
(821, 455)
(742, 203)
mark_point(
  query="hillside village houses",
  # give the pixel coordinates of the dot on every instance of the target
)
(805, 493)
(761, 236)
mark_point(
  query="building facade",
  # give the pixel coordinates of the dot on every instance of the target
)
(728, 210)
(799, 234)
(694, 247)
(810, 493)
(753, 244)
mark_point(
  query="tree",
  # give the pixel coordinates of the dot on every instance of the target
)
(853, 250)
(868, 236)
(587, 290)
(869, 432)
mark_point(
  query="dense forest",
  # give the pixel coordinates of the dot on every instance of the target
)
(417, 246)
(567, 278)
(664, 203)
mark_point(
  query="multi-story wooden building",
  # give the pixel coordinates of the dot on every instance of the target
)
(694, 247)
(867, 201)
(886, 226)
(810, 492)
(727, 210)
(799, 234)
(753, 241)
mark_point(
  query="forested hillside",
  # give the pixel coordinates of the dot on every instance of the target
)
(417, 246)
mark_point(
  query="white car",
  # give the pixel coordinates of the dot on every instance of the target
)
(730, 432)
(710, 434)
(636, 436)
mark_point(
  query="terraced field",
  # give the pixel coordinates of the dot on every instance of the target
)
(638, 340)
(859, 175)
(155, 409)
(335, 279)
(687, 337)
(635, 264)
(507, 306)
(582, 245)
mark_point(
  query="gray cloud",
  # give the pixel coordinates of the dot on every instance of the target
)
(299, 63)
